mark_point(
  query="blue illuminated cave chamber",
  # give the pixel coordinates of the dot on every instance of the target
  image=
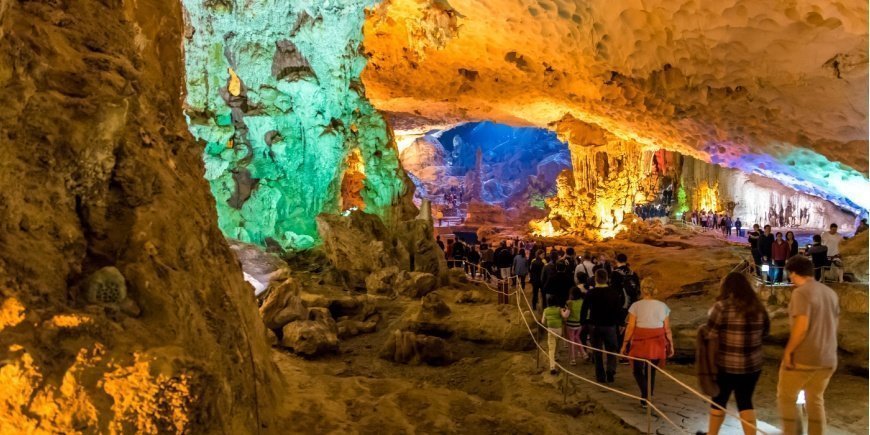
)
(484, 165)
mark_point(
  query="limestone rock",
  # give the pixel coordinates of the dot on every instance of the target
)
(106, 286)
(433, 305)
(854, 301)
(409, 348)
(383, 282)
(416, 284)
(351, 328)
(283, 305)
(855, 257)
(315, 336)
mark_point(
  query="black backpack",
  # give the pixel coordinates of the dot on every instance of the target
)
(630, 287)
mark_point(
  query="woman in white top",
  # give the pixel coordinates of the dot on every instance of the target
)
(649, 333)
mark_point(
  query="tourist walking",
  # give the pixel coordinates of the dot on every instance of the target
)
(740, 321)
(810, 357)
(520, 267)
(574, 325)
(503, 262)
(648, 336)
(753, 237)
(819, 255)
(486, 261)
(779, 253)
(765, 247)
(603, 307)
(832, 240)
(473, 261)
(737, 226)
(536, 268)
(792, 244)
(552, 319)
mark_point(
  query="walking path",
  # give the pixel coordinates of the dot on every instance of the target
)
(685, 409)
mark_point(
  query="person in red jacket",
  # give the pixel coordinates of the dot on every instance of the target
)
(780, 253)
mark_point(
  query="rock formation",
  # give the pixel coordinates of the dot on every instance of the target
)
(289, 132)
(100, 173)
(777, 89)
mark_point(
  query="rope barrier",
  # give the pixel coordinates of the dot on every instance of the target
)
(650, 365)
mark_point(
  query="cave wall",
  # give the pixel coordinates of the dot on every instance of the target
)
(775, 88)
(274, 91)
(497, 164)
(755, 199)
(608, 176)
(98, 170)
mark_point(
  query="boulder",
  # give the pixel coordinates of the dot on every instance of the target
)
(434, 306)
(282, 305)
(106, 286)
(359, 244)
(406, 347)
(312, 337)
(351, 328)
(392, 281)
(416, 284)
(855, 258)
(854, 301)
(382, 282)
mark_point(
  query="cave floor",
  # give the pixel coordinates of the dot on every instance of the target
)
(491, 390)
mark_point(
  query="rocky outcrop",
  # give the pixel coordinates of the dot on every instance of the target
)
(855, 258)
(392, 282)
(283, 305)
(316, 335)
(289, 133)
(99, 171)
(359, 245)
(409, 348)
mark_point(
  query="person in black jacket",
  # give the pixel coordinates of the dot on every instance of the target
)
(753, 237)
(819, 254)
(765, 246)
(536, 269)
(602, 306)
(503, 261)
(557, 287)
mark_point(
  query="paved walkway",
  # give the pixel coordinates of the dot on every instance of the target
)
(682, 407)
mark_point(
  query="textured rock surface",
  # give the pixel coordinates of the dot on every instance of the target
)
(494, 163)
(773, 88)
(274, 90)
(409, 348)
(359, 244)
(311, 337)
(98, 170)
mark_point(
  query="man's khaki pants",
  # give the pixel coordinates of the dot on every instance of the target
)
(814, 381)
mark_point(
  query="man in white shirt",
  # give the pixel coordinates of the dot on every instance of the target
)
(831, 240)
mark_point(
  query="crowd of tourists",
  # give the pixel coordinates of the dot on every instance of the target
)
(714, 221)
(599, 303)
(769, 252)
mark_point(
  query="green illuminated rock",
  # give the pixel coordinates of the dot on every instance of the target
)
(273, 88)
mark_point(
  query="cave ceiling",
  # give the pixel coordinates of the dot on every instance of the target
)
(777, 88)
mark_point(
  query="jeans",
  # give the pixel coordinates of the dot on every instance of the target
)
(777, 270)
(553, 335)
(640, 369)
(814, 381)
(522, 281)
(743, 386)
(605, 337)
(574, 349)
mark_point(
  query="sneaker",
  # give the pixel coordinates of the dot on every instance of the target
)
(573, 362)
(643, 404)
(554, 371)
(610, 377)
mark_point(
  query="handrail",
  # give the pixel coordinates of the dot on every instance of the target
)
(650, 365)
